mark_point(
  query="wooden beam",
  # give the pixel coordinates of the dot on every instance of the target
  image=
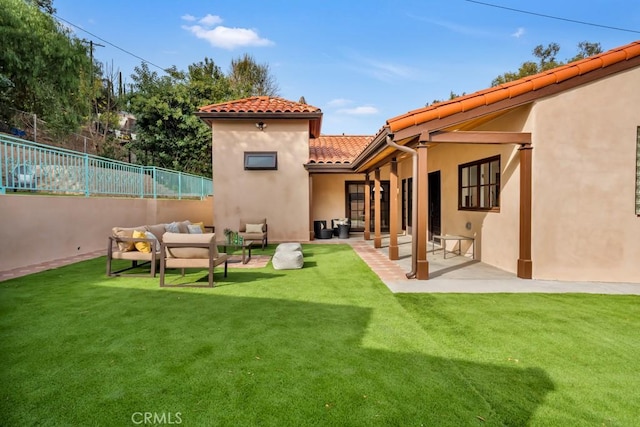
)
(467, 137)
(377, 229)
(367, 208)
(393, 212)
(525, 264)
(422, 265)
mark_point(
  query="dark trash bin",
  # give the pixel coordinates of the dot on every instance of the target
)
(326, 233)
(343, 231)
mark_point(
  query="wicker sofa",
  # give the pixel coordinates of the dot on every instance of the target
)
(141, 245)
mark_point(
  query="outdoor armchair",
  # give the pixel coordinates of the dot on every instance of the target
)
(254, 229)
(179, 250)
(122, 246)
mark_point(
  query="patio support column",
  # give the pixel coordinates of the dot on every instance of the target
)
(367, 208)
(422, 265)
(525, 264)
(393, 211)
(377, 230)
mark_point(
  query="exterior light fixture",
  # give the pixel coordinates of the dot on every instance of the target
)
(261, 125)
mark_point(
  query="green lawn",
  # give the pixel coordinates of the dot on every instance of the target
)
(325, 345)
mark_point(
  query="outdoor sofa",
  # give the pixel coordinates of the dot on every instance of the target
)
(141, 244)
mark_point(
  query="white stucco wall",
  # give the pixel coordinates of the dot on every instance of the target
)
(281, 196)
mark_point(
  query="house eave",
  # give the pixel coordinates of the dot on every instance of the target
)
(329, 167)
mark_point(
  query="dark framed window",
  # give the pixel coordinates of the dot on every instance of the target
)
(479, 185)
(260, 160)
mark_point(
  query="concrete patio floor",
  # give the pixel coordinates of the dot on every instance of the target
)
(461, 274)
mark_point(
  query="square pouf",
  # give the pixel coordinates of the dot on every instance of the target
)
(289, 247)
(287, 260)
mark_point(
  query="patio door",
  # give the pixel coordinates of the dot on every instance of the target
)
(355, 205)
(435, 219)
(407, 203)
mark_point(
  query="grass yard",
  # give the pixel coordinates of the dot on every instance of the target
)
(327, 345)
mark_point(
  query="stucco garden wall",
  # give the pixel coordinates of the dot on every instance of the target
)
(281, 196)
(35, 229)
(584, 166)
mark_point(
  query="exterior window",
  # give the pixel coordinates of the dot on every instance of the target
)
(479, 185)
(260, 160)
(638, 171)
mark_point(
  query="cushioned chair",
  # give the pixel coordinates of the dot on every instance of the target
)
(179, 250)
(122, 246)
(254, 229)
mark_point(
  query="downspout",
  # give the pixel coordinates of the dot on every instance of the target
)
(414, 205)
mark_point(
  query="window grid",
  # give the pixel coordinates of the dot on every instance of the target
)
(479, 185)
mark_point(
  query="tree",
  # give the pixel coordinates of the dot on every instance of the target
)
(547, 60)
(168, 132)
(46, 69)
(248, 78)
(44, 5)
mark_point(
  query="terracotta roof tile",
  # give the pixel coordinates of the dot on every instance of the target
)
(514, 88)
(260, 104)
(336, 148)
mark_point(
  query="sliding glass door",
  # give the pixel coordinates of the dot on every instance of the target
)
(355, 205)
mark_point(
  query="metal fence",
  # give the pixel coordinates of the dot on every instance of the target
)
(29, 166)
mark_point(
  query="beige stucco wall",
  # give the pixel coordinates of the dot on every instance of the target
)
(328, 195)
(584, 159)
(35, 229)
(281, 196)
(495, 233)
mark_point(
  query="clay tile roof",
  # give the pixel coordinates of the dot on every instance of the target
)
(260, 104)
(336, 148)
(514, 88)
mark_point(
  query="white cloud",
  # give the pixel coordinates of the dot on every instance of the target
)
(223, 37)
(365, 110)
(339, 102)
(188, 17)
(519, 33)
(210, 20)
(384, 71)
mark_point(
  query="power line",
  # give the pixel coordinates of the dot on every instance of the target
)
(554, 17)
(111, 44)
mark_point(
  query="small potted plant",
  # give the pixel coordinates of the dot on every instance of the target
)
(228, 234)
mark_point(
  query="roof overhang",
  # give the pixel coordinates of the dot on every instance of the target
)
(315, 119)
(329, 167)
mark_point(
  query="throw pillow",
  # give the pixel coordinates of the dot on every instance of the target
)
(194, 229)
(141, 246)
(200, 224)
(172, 227)
(254, 228)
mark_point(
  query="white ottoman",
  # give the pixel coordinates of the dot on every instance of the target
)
(289, 247)
(287, 260)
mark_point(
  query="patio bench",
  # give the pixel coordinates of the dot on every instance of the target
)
(446, 237)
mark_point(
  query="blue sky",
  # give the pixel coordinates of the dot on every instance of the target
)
(361, 62)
